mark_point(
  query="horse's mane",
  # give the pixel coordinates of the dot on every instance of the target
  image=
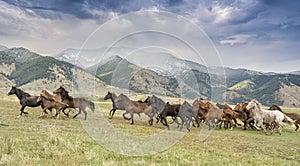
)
(237, 106)
(243, 107)
(65, 93)
(47, 97)
(23, 92)
(123, 96)
(226, 106)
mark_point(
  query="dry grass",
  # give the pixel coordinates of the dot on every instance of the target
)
(31, 140)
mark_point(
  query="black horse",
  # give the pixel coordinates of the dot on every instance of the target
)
(25, 99)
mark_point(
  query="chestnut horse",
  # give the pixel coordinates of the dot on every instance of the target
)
(294, 116)
(49, 103)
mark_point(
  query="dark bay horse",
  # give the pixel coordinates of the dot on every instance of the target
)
(25, 99)
(294, 116)
(79, 103)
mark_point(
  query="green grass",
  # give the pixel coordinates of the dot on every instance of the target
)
(31, 140)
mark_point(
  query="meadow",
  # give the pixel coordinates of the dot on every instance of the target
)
(31, 140)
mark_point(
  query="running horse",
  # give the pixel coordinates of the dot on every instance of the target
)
(262, 117)
(26, 100)
(79, 103)
(131, 107)
(294, 116)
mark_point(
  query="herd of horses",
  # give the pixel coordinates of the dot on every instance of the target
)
(251, 114)
(201, 111)
(48, 101)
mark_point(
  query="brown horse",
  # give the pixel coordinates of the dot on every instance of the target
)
(200, 110)
(46, 93)
(49, 103)
(294, 116)
(247, 115)
(80, 103)
(210, 112)
(131, 107)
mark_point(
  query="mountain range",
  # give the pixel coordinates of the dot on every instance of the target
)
(169, 76)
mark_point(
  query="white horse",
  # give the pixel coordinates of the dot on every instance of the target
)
(272, 118)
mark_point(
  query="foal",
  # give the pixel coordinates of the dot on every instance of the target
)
(49, 103)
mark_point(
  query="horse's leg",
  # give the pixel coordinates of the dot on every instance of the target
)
(263, 127)
(43, 112)
(22, 110)
(151, 118)
(111, 113)
(297, 126)
(131, 115)
(188, 124)
(79, 112)
(63, 110)
(163, 120)
(157, 118)
(85, 113)
(125, 116)
(58, 112)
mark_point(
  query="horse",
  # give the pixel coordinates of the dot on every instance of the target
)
(201, 112)
(157, 104)
(247, 116)
(294, 116)
(25, 99)
(231, 115)
(79, 103)
(112, 97)
(131, 107)
(214, 115)
(264, 117)
(187, 115)
(47, 93)
(50, 103)
(170, 110)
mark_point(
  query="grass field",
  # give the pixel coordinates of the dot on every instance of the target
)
(31, 140)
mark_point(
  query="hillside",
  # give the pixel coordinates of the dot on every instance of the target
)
(118, 72)
(31, 71)
(267, 88)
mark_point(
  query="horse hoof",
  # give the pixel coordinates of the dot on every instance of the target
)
(19, 116)
(25, 112)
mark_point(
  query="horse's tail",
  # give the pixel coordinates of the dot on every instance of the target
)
(288, 120)
(91, 105)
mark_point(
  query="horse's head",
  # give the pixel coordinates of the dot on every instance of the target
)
(253, 104)
(12, 91)
(61, 90)
(148, 100)
(108, 96)
(39, 99)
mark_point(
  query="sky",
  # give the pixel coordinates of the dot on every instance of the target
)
(262, 35)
